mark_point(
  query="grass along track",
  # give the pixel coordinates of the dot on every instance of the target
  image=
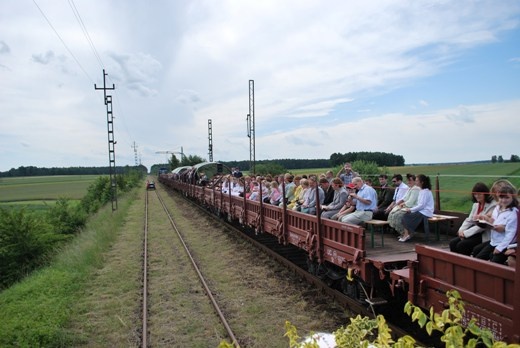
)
(255, 293)
(179, 313)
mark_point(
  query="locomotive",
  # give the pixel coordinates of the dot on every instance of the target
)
(380, 275)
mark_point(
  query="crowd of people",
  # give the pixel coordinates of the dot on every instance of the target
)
(488, 233)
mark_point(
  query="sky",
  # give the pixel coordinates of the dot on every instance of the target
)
(433, 81)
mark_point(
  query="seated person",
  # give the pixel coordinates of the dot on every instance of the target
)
(302, 195)
(328, 189)
(384, 198)
(238, 188)
(505, 224)
(470, 234)
(275, 197)
(298, 188)
(309, 206)
(338, 201)
(424, 208)
(290, 187)
(350, 203)
(366, 202)
(255, 195)
(400, 190)
(226, 184)
(395, 217)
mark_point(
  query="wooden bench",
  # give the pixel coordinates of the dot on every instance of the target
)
(374, 225)
(435, 220)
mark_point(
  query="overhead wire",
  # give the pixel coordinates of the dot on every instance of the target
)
(85, 32)
(63, 42)
(95, 52)
(98, 57)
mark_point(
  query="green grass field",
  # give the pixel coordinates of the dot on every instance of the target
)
(39, 191)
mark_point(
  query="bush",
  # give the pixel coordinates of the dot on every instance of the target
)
(367, 170)
(365, 332)
(269, 168)
(98, 194)
(100, 191)
(66, 219)
(25, 240)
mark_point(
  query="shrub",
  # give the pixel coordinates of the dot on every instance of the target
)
(269, 168)
(98, 194)
(64, 218)
(365, 332)
(367, 170)
(25, 240)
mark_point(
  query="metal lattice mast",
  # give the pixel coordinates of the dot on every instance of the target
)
(210, 141)
(111, 141)
(134, 146)
(251, 127)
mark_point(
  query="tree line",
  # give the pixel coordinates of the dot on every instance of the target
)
(36, 171)
(500, 159)
(380, 158)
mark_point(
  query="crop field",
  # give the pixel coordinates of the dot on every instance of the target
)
(38, 191)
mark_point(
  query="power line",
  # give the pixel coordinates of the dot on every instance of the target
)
(85, 31)
(94, 51)
(98, 57)
(63, 42)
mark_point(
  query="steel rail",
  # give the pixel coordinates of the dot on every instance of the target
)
(144, 334)
(201, 277)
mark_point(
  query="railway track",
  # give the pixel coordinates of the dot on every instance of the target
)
(147, 337)
(295, 260)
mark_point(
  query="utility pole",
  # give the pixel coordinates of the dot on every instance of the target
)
(111, 141)
(251, 127)
(210, 141)
(134, 146)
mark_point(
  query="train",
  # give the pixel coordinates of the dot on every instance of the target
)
(379, 275)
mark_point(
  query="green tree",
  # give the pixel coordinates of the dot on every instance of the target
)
(494, 159)
(500, 159)
(174, 162)
(515, 158)
(192, 160)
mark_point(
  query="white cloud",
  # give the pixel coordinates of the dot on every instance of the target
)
(188, 62)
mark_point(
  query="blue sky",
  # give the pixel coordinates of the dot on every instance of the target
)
(433, 81)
